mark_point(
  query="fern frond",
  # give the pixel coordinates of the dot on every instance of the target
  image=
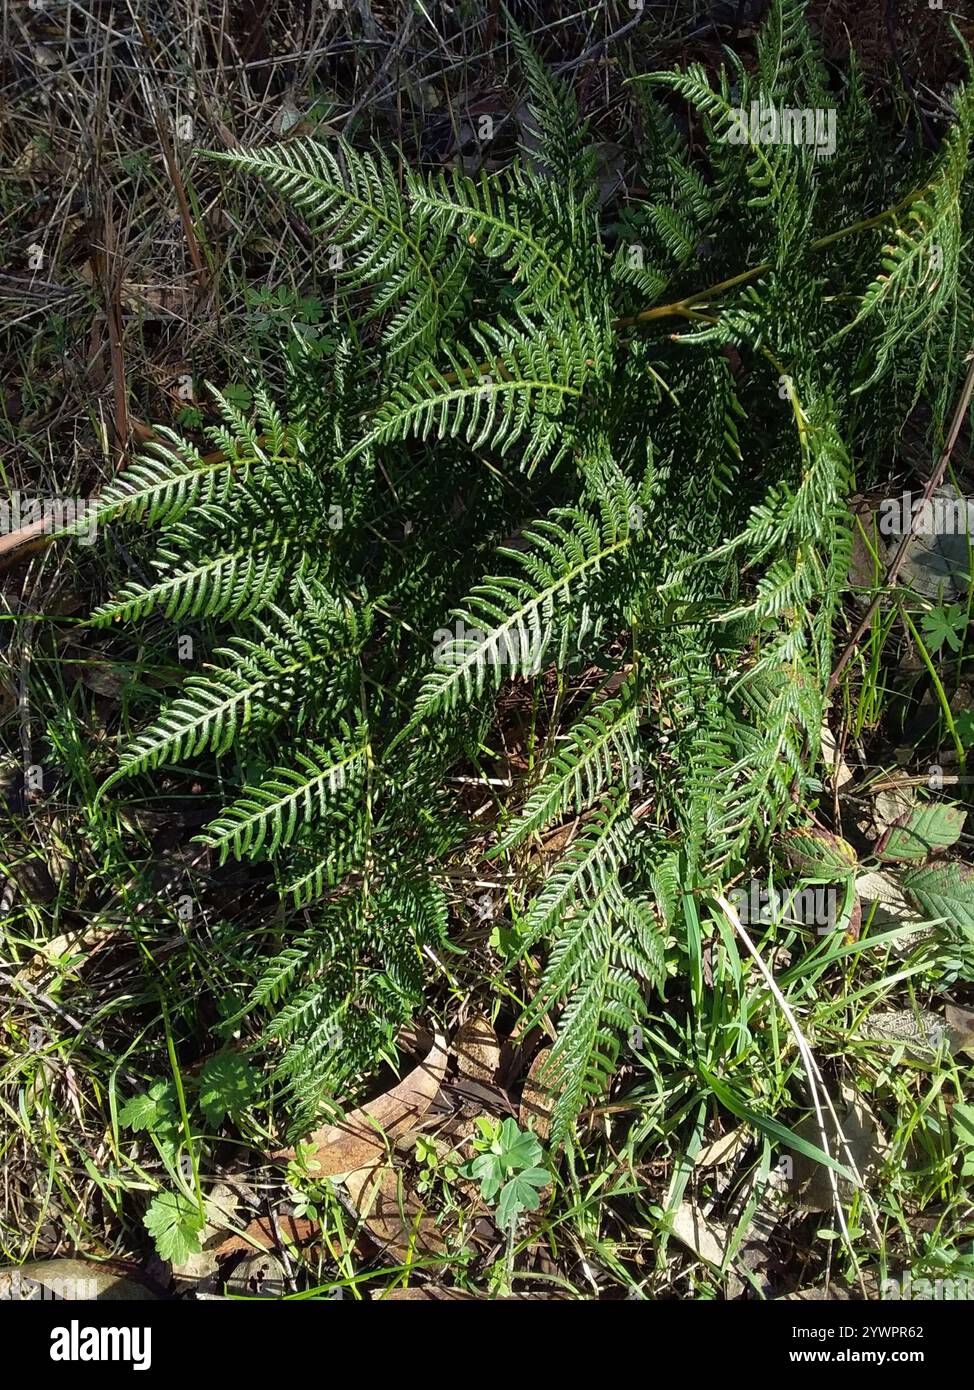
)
(263, 682)
(380, 241)
(558, 133)
(585, 870)
(285, 801)
(509, 388)
(598, 748)
(599, 964)
(495, 224)
(624, 428)
(510, 625)
(921, 264)
(234, 585)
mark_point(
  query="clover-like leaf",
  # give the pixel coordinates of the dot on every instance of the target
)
(174, 1222)
(520, 1193)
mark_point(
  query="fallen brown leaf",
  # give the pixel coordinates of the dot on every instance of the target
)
(361, 1139)
(478, 1050)
(693, 1230)
(724, 1149)
(921, 1031)
(71, 1280)
(538, 1096)
(863, 1138)
(260, 1235)
(395, 1218)
(960, 1023)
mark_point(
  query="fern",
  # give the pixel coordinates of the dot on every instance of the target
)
(286, 799)
(354, 202)
(556, 467)
(518, 620)
(596, 747)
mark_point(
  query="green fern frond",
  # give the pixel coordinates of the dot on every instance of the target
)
(234, 585)
(509, 625)
(597, 854)
(379, 240)
(598, 748)
(509, 388)
(263, 682)
(285, 801)
(496, 224)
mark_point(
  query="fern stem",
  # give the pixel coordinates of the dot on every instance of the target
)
(679, 307)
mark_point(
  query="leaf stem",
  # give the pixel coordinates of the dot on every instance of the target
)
(679, 307)
(183, 1112)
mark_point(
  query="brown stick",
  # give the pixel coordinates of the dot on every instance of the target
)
(113, 320)
(25, 541)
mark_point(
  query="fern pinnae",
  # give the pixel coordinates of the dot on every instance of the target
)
(261, 679)
(355, 198)
(510, 389)
(495, 228)
(584, 870)
(161, 489)
(233, 585)
(514, 621)
(598, 747)
(269, 815)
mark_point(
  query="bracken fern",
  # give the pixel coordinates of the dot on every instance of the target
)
(607, 452)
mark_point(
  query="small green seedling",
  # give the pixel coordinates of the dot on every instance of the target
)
(507, 1166)
(307, 1188)
(435, 1167)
